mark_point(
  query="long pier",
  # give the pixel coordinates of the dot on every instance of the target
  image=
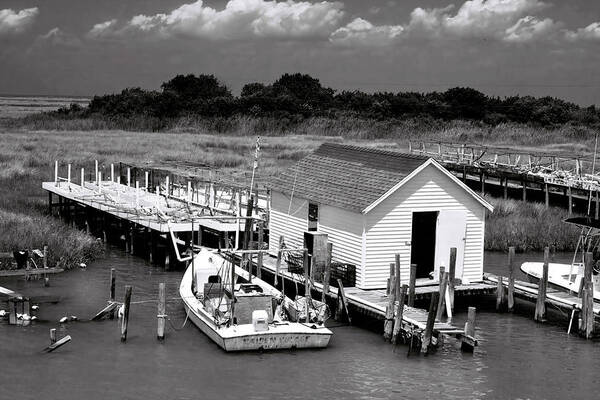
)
(563, 180)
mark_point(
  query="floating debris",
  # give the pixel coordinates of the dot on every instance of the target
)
(63, 320)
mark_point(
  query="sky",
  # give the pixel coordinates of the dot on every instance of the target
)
(500, 47)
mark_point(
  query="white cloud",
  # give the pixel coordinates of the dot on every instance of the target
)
(56, 37)
(362, 32)
(531, 28)
(16, 22)
(239, 19)
(590, 32)
(102, 29)
(474, 19)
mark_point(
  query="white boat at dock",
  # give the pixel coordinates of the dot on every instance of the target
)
(252, 316)
(569, 277)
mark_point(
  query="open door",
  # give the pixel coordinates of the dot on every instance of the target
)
(451, 231)
(422, 251)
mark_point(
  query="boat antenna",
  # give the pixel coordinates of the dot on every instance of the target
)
(255, 165)
(593, 171)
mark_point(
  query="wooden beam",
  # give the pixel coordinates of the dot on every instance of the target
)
(511, 279)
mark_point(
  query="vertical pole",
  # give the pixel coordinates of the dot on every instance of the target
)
(100, 182)
(389, 288)
(82, 177)
(112, 172)
(96, 176)
(306, 286)
(259, 257)
(52, 335)
(587, 300)
(469, 329)
(342, 305)
(128, 176)
(68, 173)
(411, 285)
(442, 292)
(499, 293)
(397, 273)
(505, 188)
(189, 191)
(113, 297)
(146, 180)
(278, 262)
(238, 208)
(399, 312)
(597, 210)
(55, 173)
(160, 330)
(426, 344)
(540, 305)
(570, 194)
(388, 327)
(524, 185)
(452, 276)
(126, 305)
(482, 179)
(511, 279)
(546, 195)
(248, 226)
(46, 278)
(327, 275)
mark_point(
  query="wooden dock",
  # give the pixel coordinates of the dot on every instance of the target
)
(374, 304)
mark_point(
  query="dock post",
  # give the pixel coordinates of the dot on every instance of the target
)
(69, 174)
(397, 273)
(452, 276)
(259, 257)
(327, 275)
(411, 285)
(128, 176)
(113, 298)
(55, 173)
(511, 279)
(52, 335)
(278, 262)
(505, 188)
(12, 311)
(524, 185)
(160, 331)
(499, 293)
(45, 264)
(540, 305)
(570, 194)
(388, 326)
(546, 195)
(597, 210)
(112, 172)
(96, 171)
(306, 285)
(468, 343)
(587, 298)
(126, 305)
(442, 291)
(389, 288)
(427, 336)
(399, 312)
(131, 238)
(342, 305)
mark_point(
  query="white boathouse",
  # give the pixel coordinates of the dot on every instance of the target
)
(374, 203)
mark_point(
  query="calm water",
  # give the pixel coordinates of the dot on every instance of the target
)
(517, 358)
(20, 106)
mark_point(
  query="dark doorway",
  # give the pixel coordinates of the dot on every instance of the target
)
(422, 250)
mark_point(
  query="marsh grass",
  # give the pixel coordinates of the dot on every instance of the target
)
(27, 158)
(528, 226)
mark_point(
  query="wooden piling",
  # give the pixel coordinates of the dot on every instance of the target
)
(546, 195)
(411, 285)
(511, 279)
(52, 335)
(342, 304)
(125, 320)
(306, 285)
(524, 185)
(570, 194)
(499, 293)
(327, 275)
(388, 288)
(399, 312)
(540, 305)
(452, 276)
(388, 326)
(442, 294)
(161, 315)
(278, 262)
(587, 299)
(397, 273)
(468, 344)
(259, 261)
(45, 263)
(427, 335)
(112, 295)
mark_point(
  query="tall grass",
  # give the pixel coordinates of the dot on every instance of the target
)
(528, 227)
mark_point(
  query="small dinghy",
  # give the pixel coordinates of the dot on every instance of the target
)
(240, 312)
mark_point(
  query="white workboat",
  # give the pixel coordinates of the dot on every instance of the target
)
(569, 277)
(256, 319)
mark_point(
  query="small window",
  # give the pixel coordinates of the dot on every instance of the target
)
(313, 216)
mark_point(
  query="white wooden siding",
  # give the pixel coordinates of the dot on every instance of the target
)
(291, 226)
(389, 226)
(344, 229)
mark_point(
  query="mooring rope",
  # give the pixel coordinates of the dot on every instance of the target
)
(187, 315)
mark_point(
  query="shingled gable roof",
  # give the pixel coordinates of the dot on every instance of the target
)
(351, 177)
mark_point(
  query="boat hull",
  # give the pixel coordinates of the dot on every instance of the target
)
(243, 337)
(558, 277)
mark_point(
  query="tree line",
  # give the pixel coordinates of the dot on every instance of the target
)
(302, 96)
